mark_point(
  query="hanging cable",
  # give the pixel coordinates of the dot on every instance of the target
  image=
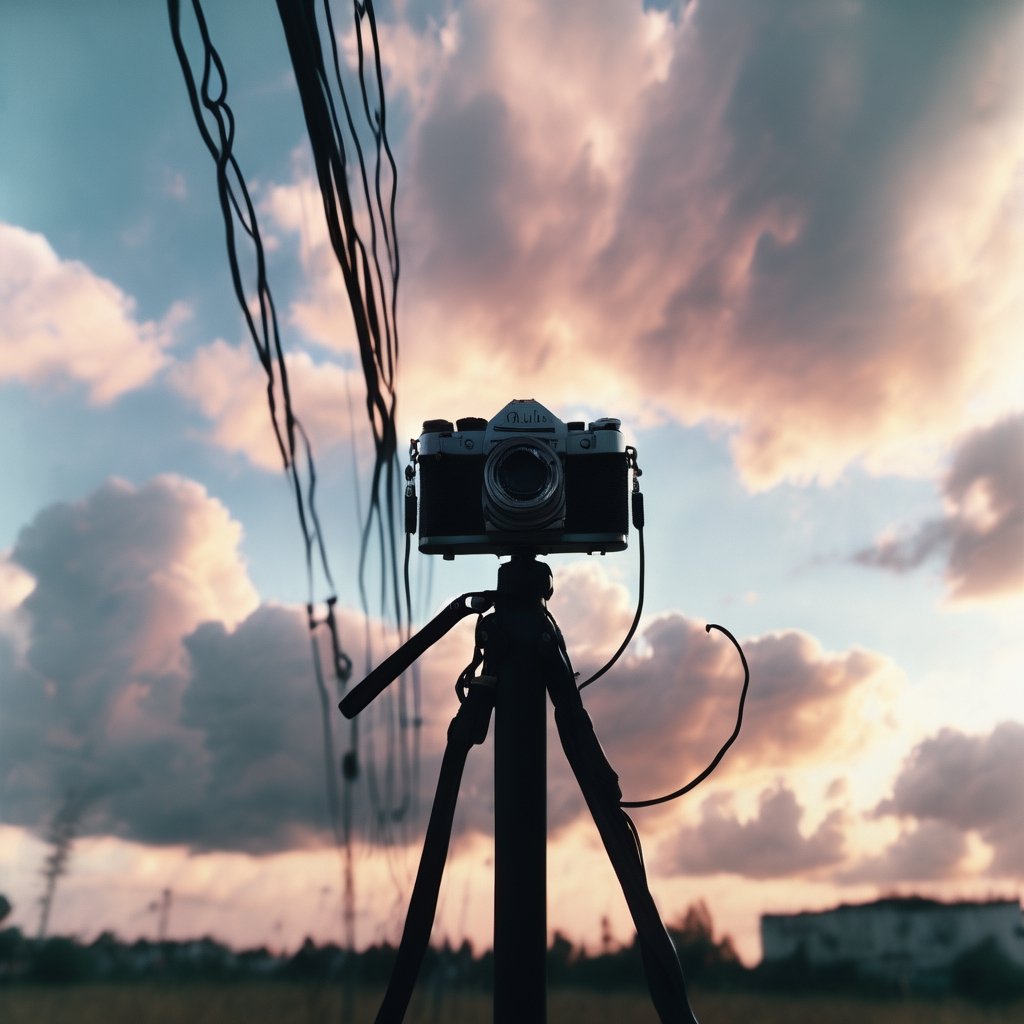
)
(216, 124)
(333, 133)
(693, 783)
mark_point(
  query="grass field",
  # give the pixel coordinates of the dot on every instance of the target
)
(296, 1004)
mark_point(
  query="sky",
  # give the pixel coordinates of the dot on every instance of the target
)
(783, 242)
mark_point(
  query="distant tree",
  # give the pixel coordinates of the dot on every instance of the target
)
(701, 955)
(12, 948)
(313, 962)
(60, 961)
(561, 959)
(985, 973)
(5, 907)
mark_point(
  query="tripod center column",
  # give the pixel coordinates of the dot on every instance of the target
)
(516, 631)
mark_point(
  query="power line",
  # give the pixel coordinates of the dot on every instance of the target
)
(372, 295)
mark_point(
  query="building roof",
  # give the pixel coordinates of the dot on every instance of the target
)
(918, 903)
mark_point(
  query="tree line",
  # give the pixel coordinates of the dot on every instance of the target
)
(980, 974)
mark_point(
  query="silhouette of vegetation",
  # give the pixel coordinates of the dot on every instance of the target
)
(716, 962)
(60, 961)
(986, 974)
(983, 975)
(798, 974)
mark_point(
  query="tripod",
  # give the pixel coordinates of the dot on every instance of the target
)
(523, 657)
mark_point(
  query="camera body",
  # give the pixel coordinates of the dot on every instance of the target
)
(523, 482)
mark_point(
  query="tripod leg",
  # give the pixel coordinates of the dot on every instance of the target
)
(468, 727)
(600, 786)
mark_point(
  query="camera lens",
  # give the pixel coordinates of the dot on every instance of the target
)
(524, 486)
(523, 474)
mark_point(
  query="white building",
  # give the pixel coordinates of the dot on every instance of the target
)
(901, 939)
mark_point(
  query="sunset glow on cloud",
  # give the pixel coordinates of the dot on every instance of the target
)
(63, 323)
(782, 244)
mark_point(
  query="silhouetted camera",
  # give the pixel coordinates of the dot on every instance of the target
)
(523, 482)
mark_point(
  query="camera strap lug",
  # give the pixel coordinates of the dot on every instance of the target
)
(636, 497)
(410, 486)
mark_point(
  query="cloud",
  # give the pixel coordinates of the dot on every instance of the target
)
(229, 387)
(119, 578)
(769, 845)
(15, 586)
(928, 852)
(985, 490)
(970, 784)
(750, 215)
(149, 677)
(981, 535)
(148, 682)
(668, 705)
(679, 698)
(63, 323)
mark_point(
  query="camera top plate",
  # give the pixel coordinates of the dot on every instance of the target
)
(476, 436)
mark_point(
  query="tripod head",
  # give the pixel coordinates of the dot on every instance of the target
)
(522, 578)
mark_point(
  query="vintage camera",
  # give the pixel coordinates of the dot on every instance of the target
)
(523, 482)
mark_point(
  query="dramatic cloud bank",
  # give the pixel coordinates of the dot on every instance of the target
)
(143, 677)
(679, 697)
(747, 214)
(801, 224)
(143, 684)
(90, 701)
(665, 709)
(145, 687)
(62, 323)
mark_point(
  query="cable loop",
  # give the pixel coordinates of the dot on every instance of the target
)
(693, 783)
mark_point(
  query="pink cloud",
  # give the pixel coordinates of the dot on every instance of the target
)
(967, 783)
(768, 845)
(145, 676)
(148, 664)
(925, 852)
(61, 323)
(981, 535)
(678, 695)
(228, 386)
(151, 563)
(665, 709)
(721, 219)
